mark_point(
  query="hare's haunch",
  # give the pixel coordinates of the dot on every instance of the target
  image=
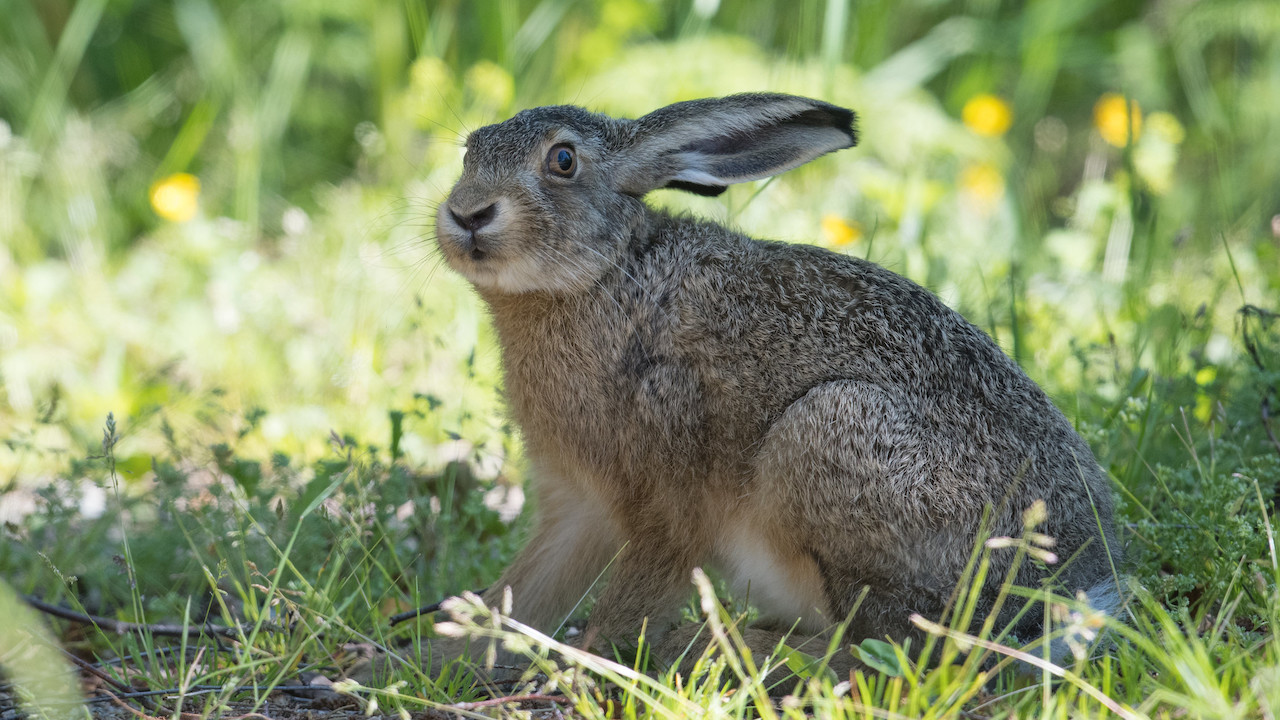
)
(812, 426)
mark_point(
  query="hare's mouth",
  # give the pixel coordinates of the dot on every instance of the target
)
(470, 243)
(470, 252)
(474, 247)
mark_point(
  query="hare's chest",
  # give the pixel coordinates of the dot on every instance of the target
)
(608, 405)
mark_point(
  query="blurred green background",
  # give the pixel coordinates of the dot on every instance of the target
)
(216, 215)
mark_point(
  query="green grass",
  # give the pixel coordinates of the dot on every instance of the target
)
(306, 431)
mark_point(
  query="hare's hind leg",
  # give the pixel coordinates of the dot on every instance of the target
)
(869, 498)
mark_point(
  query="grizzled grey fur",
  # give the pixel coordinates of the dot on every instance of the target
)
(809, 424)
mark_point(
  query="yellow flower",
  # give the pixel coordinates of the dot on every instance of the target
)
(1112, 116)
(836, 231)
(177, 197)
(1204, 404)
(1206, 375)
(1204, 408)
(987, 115)
(983, 182)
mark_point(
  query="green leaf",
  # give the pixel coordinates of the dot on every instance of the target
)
(804, 665)
(879, 655)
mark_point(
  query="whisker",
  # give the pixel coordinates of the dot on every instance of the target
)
(640, 286)
(452, 111)
(431, 262)
(579, 264)
(601, 283)
(457, 135)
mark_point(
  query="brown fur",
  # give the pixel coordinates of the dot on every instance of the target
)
(810, 423)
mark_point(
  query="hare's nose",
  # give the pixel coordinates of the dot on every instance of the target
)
(476, 220)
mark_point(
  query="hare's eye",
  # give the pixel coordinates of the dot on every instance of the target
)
(562, 161)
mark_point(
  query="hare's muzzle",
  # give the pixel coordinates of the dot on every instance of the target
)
(462, 225)
(471, 223)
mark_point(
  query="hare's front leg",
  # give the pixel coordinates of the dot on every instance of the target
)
(573, 542)
(650, 580)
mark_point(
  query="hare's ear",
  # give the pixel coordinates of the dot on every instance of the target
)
(704, 146)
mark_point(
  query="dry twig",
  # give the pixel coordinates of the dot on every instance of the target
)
(121, 627)
(510, 699)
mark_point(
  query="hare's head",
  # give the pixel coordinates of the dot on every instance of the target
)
(549, 199)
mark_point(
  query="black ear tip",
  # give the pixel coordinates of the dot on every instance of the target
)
(846, 121)
(696, 189)
(850, 125)
(831, 116)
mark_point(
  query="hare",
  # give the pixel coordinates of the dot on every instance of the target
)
(811, 425)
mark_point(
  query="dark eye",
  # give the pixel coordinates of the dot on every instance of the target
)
(562, 161)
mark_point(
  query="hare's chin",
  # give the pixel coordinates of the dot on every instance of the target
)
(523, 277)
(508, 275)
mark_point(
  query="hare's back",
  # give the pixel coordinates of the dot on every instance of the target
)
(771, 320)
